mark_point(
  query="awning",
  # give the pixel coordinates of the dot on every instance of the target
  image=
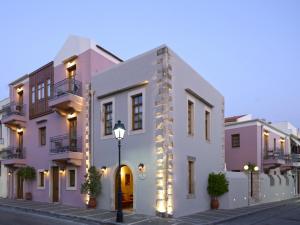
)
(296, 141)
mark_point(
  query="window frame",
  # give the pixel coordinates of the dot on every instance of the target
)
(39, 172)
(102, 117)
(33, 95)
(49, 88)
(44, 129)
(68, 187)
(191, 177)
(207, 125)
(190, 127)
(131, 94)
(239, 140)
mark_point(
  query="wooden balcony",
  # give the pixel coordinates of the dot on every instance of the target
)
(14, 115)
(67, 96)
(65, 150)
(13, 156)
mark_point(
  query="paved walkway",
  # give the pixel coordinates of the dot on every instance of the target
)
(108, 217)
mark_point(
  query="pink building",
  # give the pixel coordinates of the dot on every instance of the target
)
(260, 143)
(48, 116)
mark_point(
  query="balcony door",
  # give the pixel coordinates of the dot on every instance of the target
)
(73, 134)
(71, 77)
(20, 144)
(20, 102)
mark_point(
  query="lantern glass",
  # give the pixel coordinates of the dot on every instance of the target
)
(119, 130)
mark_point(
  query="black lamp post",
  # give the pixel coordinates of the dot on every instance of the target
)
(250, 168)
(119, 131)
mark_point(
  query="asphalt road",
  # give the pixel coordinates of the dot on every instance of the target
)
(16, 217)
(285, 215)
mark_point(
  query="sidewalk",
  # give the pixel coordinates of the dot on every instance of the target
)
(108, 217)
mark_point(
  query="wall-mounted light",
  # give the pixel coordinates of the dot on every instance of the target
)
(70, 64)
(282, 140)
(46, 172)
(266, 133)
(103, 169)
(19, 130)
(71, 115)
(141, 167)
(62, 171)
(19, 89)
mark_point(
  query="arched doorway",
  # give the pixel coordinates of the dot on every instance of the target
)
(127, 188)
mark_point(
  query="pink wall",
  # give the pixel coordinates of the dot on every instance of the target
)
(236, 158)
(88, 63)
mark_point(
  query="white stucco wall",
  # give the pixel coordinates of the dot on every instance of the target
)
(5, 143)
(140, 148)
(209, 155)
(237, 196)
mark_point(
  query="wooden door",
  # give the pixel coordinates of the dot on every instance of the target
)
(55, 184)
(19, 187)
(73, 134)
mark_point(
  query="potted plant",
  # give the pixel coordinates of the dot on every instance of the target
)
(217, 186)
(28, 174)
(92, 186)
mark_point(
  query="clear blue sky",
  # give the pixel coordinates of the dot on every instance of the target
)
(249, 50)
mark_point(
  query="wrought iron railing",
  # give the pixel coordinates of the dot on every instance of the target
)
(275, 154)
(65, 143)
(295, 157)
(13, 108)
(12, 152)
(67, 86)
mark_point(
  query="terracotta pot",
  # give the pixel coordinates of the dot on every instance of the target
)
(214, 204)
(92, 203)
(28, 196)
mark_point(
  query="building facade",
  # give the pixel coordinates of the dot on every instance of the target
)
(48, 119)
(174, 139)
(262, 144)
(4, 138)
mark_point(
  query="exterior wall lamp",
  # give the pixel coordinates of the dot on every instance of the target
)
(19, 130)
(141, 167)
(103, 169)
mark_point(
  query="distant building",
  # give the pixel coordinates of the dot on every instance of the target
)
(266, 145)
(174, 138)
(4, 142)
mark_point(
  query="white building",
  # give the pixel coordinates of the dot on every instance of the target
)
(4, 138)
(174, 139)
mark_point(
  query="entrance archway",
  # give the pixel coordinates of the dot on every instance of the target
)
(127, 188)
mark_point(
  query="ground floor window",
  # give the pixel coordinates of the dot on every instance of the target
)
(191, 176)
(71, 178)
(41, 179)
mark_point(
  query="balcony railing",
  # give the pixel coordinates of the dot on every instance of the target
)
(295, 157)
(12, 152)
(13, 108)
(67, 86)
(64, 143)
(277, 154)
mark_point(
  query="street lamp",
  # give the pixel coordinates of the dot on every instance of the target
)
(250, 168)
(119, 131)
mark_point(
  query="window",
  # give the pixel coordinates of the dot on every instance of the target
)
(137, 112)
(41, 179)
(33, 94)
(191, 177)
(107, 107)
(71, 179)
(49, 88)
(235, 140)
(190, 117)
(42, 132)
(274, 145)
(207, 125)
(43, 90)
